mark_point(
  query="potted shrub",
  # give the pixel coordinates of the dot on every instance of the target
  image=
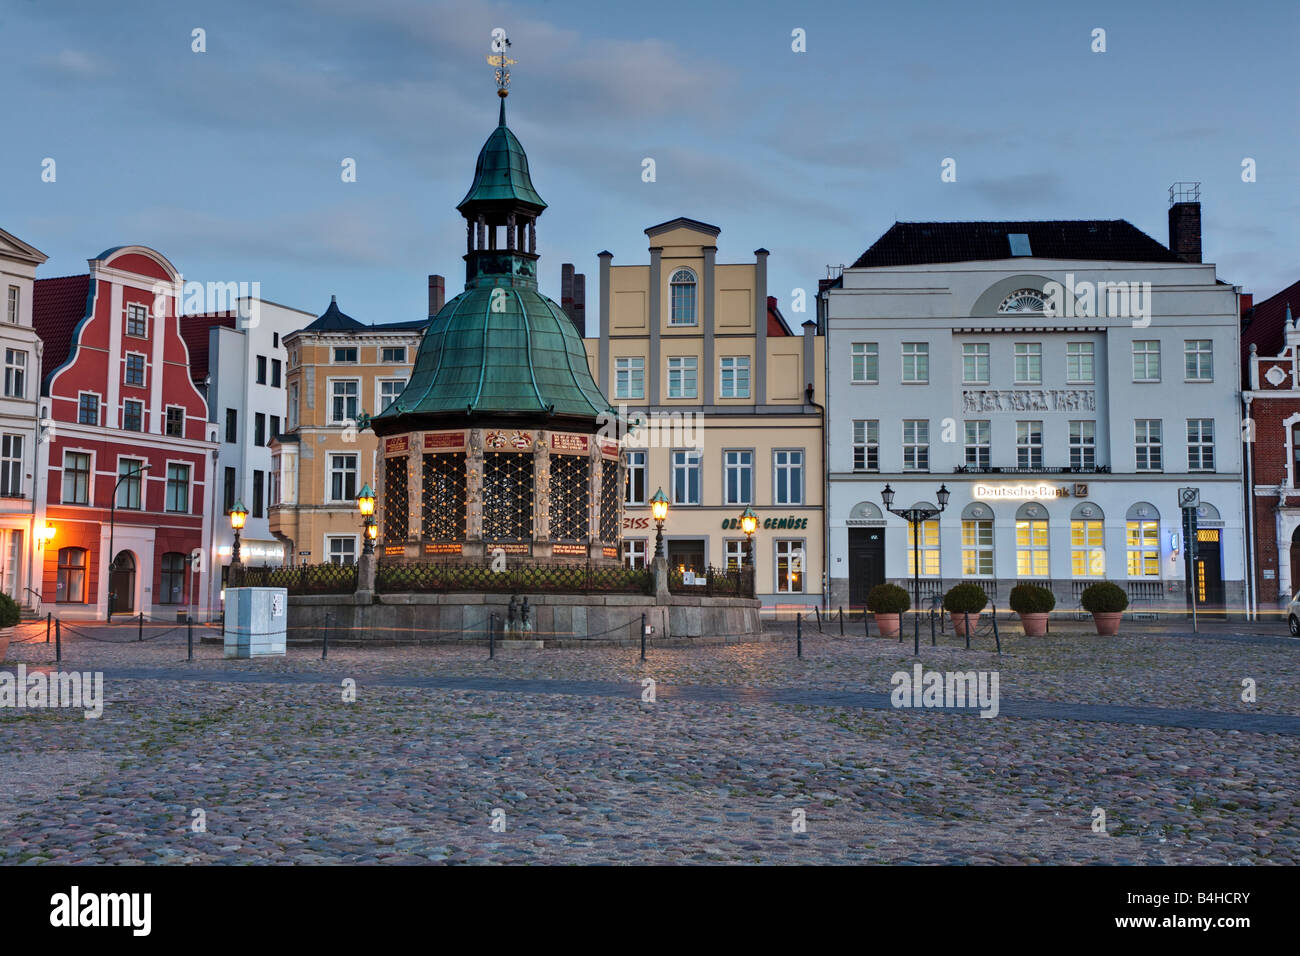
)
(962, 601)
(1033, 603)
(888, 602)
(9, 615)
(1106, 603)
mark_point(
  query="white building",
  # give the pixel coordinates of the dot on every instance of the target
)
(20, 348)
(240, 361)
(1062, 438)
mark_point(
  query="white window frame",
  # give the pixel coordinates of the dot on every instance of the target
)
(99, 408)
(126, 484)
(184, 419)
(1203, 360)
(790, 550)
(972, 355)
(679, 366)
(1148, 355)
(1199, 445)
(787, 468)
(330, 470)
(1076, 355)
(635, 553)
(1029, 448)
(90, 477)
(1033, 548)
(130, 309)
(1093, 555)
(11, 466)
(978, 443)
(916, 363)
(977, 547)
(693, 460)
(334, 355)
(740, 468)
(694, 285)
(1083, 444)
(866, 444)
(355, 540)
(1027, 363)
(864, 363)
(143, 424)
(379, 391)
(730, 370)
(15, 370)
(629, 370)
(1142, 439)
(332, 382)
(13, 305)
(641, 467)
(1138, 554)
(144, 370)
(916, 448)
(927, 537)
(189, 485)
(385, 360)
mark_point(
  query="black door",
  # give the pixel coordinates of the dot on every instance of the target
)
(866, 563)
(1209, 568)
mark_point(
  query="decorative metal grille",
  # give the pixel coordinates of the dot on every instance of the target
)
(444, 497)
(609, 489)
(303, 579)
(401, 578)
(396, 500)
(570, 497)
(716, 582)
(508, 496)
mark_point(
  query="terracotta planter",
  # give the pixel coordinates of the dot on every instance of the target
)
(959, 621)
(1035, 625)
(888, 624)
(1107, 622)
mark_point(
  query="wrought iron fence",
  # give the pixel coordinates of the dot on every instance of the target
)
(394, 578)
(302, 579)
(714, 582)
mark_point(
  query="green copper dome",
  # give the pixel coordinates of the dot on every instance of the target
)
(501, 174)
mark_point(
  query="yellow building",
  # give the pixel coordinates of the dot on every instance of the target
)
(730, 400)
(340, 373)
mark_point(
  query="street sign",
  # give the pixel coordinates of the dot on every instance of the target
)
(1189, 497)
(304, 554)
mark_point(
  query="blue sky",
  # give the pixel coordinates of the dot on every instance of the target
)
(228, 161)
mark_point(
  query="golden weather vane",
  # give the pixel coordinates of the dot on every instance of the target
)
(502, 62)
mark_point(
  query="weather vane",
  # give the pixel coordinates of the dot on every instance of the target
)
(499, 59)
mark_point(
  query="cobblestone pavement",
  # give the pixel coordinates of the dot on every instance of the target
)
(739, 738)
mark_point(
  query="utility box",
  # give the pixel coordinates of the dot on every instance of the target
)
(256, 622)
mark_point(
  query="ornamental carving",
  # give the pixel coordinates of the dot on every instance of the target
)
(1029, 400)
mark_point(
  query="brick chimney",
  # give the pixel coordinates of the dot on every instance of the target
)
(437, 294)
(573, 297)
(1185, 221)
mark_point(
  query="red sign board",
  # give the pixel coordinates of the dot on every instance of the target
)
(608, 448)
(397, 445)
(444, 441)
(568, 443)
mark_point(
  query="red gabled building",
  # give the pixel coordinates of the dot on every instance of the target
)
(122, 412)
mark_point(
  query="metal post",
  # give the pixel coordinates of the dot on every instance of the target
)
(58, 640)
(49, 616)
(492, 635)
(798, 635)
(325, 644)
(916, 587)
(932, 626)
(139, 636)
(866, 623)
(995, 628)
(189, 637)
(966, 615)
(818, 612)
(841, 620)
(643, 637)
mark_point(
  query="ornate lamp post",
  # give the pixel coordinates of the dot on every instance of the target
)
(238, 515)
(749, 524)
(914, 517)
(659, 508)
(366, 505)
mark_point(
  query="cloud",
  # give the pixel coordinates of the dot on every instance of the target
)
(73, 63)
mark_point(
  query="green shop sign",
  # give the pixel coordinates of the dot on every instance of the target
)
(770, 524)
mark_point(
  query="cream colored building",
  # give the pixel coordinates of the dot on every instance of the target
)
(340, 372)
(731, 402)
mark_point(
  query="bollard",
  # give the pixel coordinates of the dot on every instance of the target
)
(866, 623)
(642, 637)
(139, 636)
(818, 612)
(995, 629)
(841, 620)
(325, 643)
(492, 635)
(966, 615)
(58, 640)
(798, 635)
(932, 627)
(49, 616)
(189, 637)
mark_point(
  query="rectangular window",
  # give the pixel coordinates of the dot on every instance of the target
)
(737, 553)
(130, 476)
(634, 490)
(11, 311)
(1198, 360)
(734, 380)
(1200, 444)
(134, 369)
(634, 552)
(1087, 554)
(1079, 366)
(342, 549)
(259, 478)
(916, 363)
(343, 401)
(1142, 545)
(975, 363)
(1083, 445)
(261, 370)
(977, 548)
(1031, 549)
(681, 376)
(232, 426)
(178, 488)
(1146, 438)
(293, 405)
(275, 428)
(76, 478)
(1029, 363)
(979, 445)
(277, 368)
(1029, 445)
(686, 477)
(789, 477)
(389, 390)
(343, 477)
(629, 377)
(394, 355)
(345, 355)
(916, 444)
(133, 416)
(928, 538)
(87, 408)
(228, 491)
(738, 477)
(259, 429)
(866, 445)
(11, 466)
(175, 421)
(1146, 360)
(866, 363)
(789, 566)
(137, 321)
(15, 373)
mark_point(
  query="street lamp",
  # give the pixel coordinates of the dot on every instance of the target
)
(112, 527)
(238, 515)
(659, 508)
(749, 524)
(366, 505)
(914, 517)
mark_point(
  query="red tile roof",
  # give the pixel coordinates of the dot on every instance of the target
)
(194, 330)
(1262, 326)
(58, 304)
(775, 320)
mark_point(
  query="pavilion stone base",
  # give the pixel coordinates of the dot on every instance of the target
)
(557, 619)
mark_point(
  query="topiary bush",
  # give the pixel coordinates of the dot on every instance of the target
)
(1103, 598)
(1029, 598)
(9, 613)
(888, 599)
(965, 598)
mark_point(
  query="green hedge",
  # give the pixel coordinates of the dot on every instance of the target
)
(1028, 598)
(9, 613)
(888, 599)
(965, 598)
(1103, 598)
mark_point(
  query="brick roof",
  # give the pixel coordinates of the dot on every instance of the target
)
(58, 304)
(194, 330)
(775, 320)
(919, 243)
(1262, 325)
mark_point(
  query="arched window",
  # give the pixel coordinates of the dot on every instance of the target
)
(1142, 540)
(72, 576)
(1087, 541)
(977, 540)
(927, 536)
(172, 586)
(682, 294)
(1031, 542)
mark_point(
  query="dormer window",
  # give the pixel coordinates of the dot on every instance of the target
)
(682, 297)
(1023, 300)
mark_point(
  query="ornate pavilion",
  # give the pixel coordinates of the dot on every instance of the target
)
(493, 443)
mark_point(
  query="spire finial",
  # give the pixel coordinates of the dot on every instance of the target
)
(499, 58)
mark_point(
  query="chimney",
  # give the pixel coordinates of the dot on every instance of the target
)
(437, 294)
(1185, 221)
(573, 297)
